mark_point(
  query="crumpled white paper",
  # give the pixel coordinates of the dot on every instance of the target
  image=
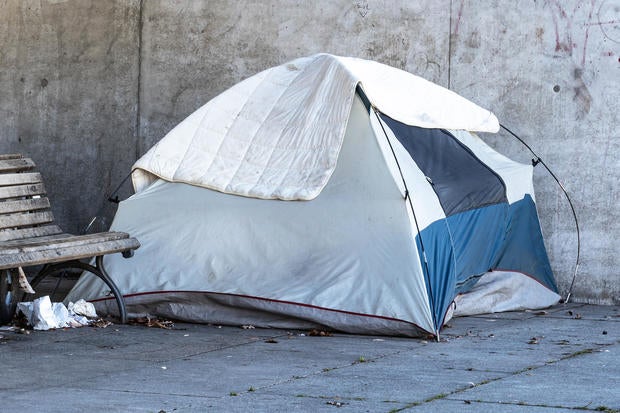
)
(82, 307)
(42, 314)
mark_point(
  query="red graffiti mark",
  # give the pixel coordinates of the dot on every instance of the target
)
(459, 16)
(558, 47)
(559, 44)
(572, 37)
(587, 35)
(599, 23)
(572, 27)
(607, 25)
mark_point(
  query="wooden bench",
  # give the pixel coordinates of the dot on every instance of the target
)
(29, 237)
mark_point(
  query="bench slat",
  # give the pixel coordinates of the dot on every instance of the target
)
(24, 205)
(24, 241)
(10, 156)
(66, 254)
(20, 179)
(26, 219)
(21, 190)
(14, 234)
(59, 241)
(16, 165)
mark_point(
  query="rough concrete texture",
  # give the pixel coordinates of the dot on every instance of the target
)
(192, 51)
(68, 73)
(550, 73)
(548, 70)
(565, 359)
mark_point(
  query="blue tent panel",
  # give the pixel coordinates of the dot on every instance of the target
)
(461, 181)
(523, 249)
(464, 246)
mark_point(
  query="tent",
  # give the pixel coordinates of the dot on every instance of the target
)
(330, 192)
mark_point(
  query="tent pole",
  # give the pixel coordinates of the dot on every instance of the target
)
(535, 162)
(415, 219)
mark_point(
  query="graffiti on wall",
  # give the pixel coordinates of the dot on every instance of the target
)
(585, 31)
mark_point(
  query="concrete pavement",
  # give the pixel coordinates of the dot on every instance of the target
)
(564, 359)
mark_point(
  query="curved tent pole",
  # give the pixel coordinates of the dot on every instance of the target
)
(415, 219)
(535, 162)
(113, 198)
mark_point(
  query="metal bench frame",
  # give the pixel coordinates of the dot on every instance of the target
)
(28, 236)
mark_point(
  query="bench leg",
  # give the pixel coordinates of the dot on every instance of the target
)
(97, 270)
(120, 301)
(8, 292)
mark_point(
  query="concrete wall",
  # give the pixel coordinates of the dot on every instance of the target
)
(68, 73)
(551, 72)
(91, 85)
(194, 50)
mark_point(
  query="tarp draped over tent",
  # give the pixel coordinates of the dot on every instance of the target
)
(396, 212)
(277, 135)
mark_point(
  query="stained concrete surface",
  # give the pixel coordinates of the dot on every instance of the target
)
(548, 72)
(88, 86)
(566, 358)
(68, 73)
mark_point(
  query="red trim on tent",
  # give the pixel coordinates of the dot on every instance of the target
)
(270, 300)
(523, 273)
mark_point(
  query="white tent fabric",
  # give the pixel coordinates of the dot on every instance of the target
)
(273, 136)
(495, 292)
(321, 257)
(219, 244)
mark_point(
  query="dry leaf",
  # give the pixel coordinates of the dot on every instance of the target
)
(166, 324)
(152, 322)
(100, 323)
(319, 333)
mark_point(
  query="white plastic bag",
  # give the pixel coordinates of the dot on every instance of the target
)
(42, 314)
(82, 307)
